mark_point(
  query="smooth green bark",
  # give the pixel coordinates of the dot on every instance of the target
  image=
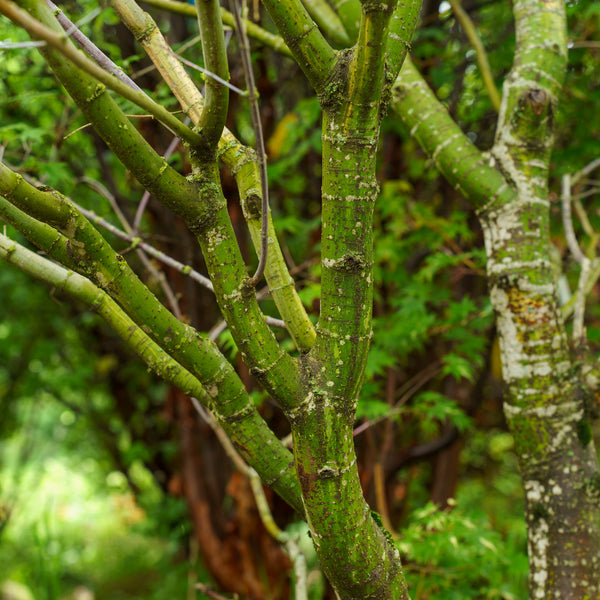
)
(205, 210)
(240, 159)
(302, 36)
(339, 518)
(214, 112)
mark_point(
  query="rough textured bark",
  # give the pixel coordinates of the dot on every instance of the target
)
(546, 402)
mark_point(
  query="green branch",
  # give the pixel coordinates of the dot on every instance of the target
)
(462, 164)
(350, 13)
(151, 170)
(253, 30)
(366, 70)
(310, 49)
(482, 60)
(214, 113)
(322, 424)
(328, 21)
(524, 134)
(243, 164)
(90, 255)
(62, 44)
(402, 28)
(101, 303)
(205, 213)
(261, 155)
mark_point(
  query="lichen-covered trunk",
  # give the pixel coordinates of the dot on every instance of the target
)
(544, 404)
(545, 401)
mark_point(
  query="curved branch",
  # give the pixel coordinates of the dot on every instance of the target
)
(242, 162)
(464, 166)
(311, 50)
(83, 249)
(328, 21)
(260, 143)
(262, 35)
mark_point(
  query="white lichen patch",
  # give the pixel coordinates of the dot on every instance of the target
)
(306, 405)
(510, 410)
(534, 490)
(564, 432)
(215, 237)
(538, 559)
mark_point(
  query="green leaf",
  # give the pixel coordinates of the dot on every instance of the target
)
(458, 367)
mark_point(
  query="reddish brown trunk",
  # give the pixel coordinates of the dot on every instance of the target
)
(236, 549)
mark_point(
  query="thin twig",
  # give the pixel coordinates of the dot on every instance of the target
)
(192, 65)
(568, 221)
(585, 44)
(484, 66)
(404, 393)
(146, 196)
(579, 334)
(138, 243)
(89, 47)
(169, 261)
(57, 41)
(585, 171)
(578, 255)
(158, 275)
(20, 45)
(260, 142)
(569, 308)
(204, 589)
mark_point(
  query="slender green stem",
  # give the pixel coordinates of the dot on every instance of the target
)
(428, 120)
(100, 302)
(151, 170)
(366, 71)
(402, 28)
(328, 21)
(90, 48)
(350, 13)
(243, 164)
(260, 142)
(482, 60)
(258, 33)
(214, 113)
(268, 362)
(91, 256)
